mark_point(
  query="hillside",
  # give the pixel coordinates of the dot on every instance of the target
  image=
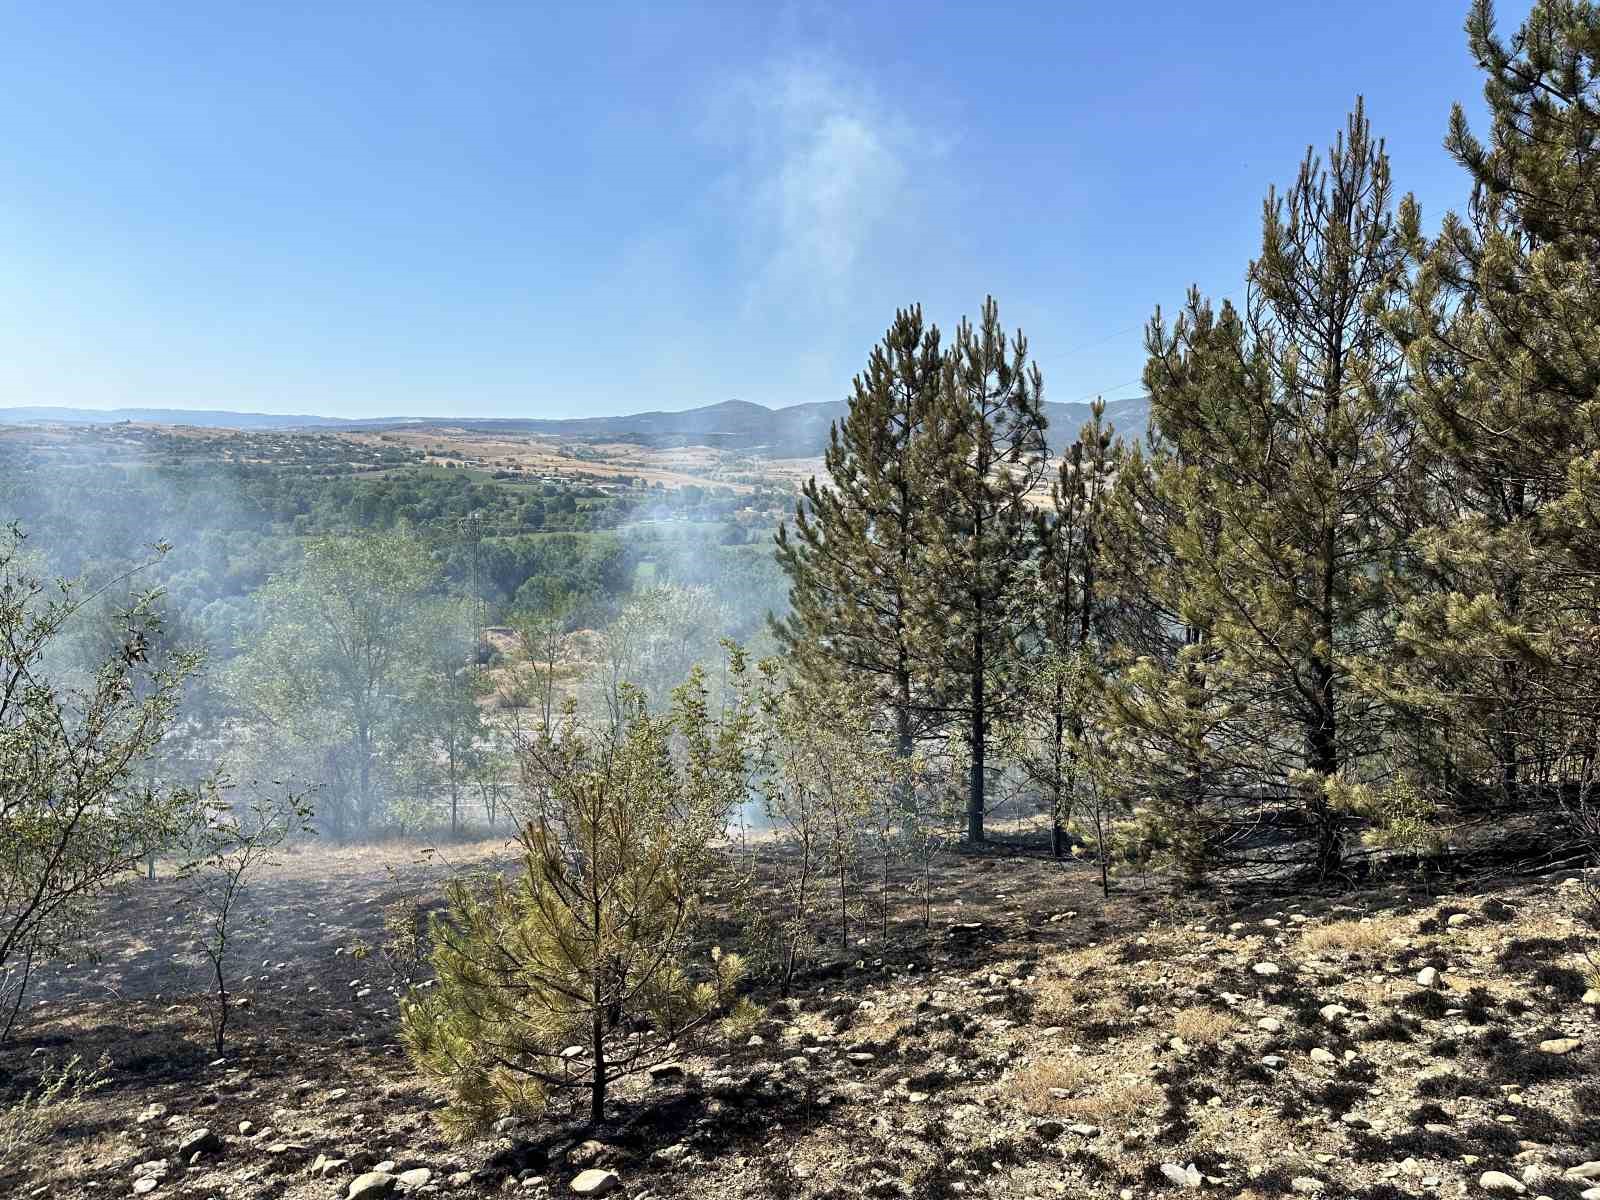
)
(1036, 1041)
(201, 418)
(798, 431)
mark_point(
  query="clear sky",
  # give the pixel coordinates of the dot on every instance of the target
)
(585, 208)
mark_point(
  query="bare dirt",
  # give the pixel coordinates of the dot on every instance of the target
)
(576, 458)
(1034, 1040)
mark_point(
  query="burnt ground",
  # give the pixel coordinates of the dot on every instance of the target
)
(1032, 1040)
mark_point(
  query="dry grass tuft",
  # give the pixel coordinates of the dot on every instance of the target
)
(1078, 1001)
(1058, 1086)
(1350, 937)
(62, 1091)
(1116, 1104)
(1056, 1002)
(1033, 1083)
(1201, 1026)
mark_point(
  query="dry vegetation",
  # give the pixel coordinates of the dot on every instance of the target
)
(599, 461)
(1350, 937)
(1064, 1046)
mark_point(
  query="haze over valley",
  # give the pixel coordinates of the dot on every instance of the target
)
(800, 602)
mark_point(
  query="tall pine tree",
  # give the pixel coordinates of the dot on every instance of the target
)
(1501, 637)
(1288, 410)
(984, 454)
(1068, 631)
(852, 559)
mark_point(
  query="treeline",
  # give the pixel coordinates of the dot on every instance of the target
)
(365, 676)
(232, 526)
(1345, 591)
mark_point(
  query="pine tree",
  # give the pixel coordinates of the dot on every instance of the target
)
(852, 557)
(1068, 634)
(1164, 707)
(587, 948)
(1498, 641)
(1288, 442)
(983, 455)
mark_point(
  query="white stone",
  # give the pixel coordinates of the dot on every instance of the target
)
(1499, 1181)
(1184, 1177)
(594, 1182)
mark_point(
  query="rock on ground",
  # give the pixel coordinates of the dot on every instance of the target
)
(1499, 1181)
(370, 1185)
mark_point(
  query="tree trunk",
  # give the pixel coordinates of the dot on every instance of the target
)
(22, 991)
(1324, 748)
(222, 1004)
(455, 798)
(884, 910)
(902, 714)
(1057, 834)
(975, 737)
(598, 1081)
(844, 909)
(364, 752)
(1323, 756)
(927, 890)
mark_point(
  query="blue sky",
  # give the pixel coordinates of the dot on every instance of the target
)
(517, 210)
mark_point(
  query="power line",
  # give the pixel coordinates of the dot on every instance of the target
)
(1099, 341)
(1102, 391)
(1102, 340)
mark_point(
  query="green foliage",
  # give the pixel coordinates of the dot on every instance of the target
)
(357, 649)
(825, 776)
(1049, 735)
(855, 558)
(1400, 817)
(742, 1021)
(1502, 336)
(984, 454)
(657, 638)
(575, 975)
(77, 810)
(1282, 442)
(903, 571)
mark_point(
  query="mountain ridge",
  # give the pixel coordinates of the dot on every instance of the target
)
(794, 431)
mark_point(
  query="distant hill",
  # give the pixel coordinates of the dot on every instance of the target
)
(204, 418)
(798, 431)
